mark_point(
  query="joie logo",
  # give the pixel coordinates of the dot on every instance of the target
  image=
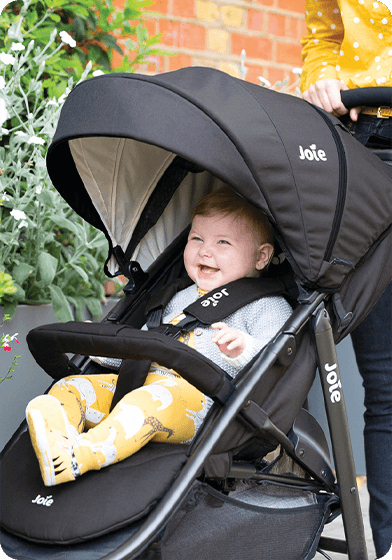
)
(41, 501)
(333, 382)
(214, 299)
(312, 153)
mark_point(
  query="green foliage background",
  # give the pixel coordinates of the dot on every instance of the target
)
(49, 252)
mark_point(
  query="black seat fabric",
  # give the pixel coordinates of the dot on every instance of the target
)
(92, 505)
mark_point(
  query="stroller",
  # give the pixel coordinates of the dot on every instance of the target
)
(132, 155)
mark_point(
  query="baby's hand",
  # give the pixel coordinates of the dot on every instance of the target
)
(230, 341)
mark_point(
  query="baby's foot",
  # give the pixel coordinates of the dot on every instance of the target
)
(52, 439)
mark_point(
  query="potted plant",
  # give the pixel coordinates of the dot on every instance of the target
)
(51, 254)
(51, 261)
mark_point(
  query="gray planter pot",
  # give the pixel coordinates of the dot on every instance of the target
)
(28, 379)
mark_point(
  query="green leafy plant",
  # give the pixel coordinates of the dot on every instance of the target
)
(48, 251)
(49, 254)
(89, 32)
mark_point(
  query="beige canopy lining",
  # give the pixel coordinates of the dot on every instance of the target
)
(120, 175)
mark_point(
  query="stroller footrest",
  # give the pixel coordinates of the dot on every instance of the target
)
(94, 504)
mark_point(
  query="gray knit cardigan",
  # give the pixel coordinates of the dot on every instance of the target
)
(259, 321)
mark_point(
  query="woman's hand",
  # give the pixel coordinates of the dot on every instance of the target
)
(230, 341)
(326, 94)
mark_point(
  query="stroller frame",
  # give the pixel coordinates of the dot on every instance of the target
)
(299, 449)
(303, 441)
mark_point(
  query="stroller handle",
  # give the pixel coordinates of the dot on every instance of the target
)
(370, 97)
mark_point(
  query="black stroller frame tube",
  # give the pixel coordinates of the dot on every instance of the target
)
(340, 436)
(174, 496)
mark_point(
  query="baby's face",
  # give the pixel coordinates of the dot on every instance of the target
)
(220, 249)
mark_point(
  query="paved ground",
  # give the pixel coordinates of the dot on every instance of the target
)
(335, 529)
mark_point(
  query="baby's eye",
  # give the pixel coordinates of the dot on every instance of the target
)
(196, 238)
(224, 242)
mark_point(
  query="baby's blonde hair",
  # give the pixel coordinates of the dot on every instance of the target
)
(227, 202)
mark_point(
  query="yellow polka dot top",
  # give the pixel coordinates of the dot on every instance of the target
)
(350, 40)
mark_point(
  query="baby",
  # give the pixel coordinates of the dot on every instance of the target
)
(72, 428)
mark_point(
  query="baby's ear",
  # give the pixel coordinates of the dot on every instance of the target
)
(265, 253)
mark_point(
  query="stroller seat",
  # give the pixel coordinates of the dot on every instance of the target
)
(137, 178)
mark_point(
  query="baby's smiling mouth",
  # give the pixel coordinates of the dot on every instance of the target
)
(207, 270)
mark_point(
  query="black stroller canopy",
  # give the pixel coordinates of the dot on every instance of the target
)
(114, 158)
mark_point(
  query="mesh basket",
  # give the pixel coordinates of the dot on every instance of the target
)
(257, 522)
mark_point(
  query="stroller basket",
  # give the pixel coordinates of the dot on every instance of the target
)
(212, 525)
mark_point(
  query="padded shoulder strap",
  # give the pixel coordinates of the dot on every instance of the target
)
(220, 303)
(225, 300)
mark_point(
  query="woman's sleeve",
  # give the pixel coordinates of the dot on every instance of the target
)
(321, 46)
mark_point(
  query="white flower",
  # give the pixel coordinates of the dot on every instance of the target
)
(4, 114)
(53, 102)
(264, 81)
(22, 134)
(7, 58)
(66, 38)
(63, 97)
(18, 214)
(17, 47)
(38, 189)
(36, 140)
(98, 73)
(22, 224)
(4, 131)
(2, 82)
(297, 71)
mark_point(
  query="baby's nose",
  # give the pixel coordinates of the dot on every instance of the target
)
(206, 251)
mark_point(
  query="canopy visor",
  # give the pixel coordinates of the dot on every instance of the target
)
(120, 175)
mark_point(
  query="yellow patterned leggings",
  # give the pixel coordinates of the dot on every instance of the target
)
(164, 409)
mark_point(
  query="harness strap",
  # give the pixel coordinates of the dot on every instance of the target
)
(161, 298)
(214, 306)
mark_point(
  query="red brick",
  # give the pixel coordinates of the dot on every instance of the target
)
(193, 36)
(154, 64)
(292, 28)
(255, 47)
(151, 26)
(116, 60)
(253, 73)
(288, 53)
(159, 6)
(277, 25)
(179, 61)
(292, 5)
(184, 8)
(255, 20)
(266, 2)
(303, 30)
(119, 4)
(171, 32)
(275, 75)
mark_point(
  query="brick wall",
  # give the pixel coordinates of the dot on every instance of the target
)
(214, 32)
